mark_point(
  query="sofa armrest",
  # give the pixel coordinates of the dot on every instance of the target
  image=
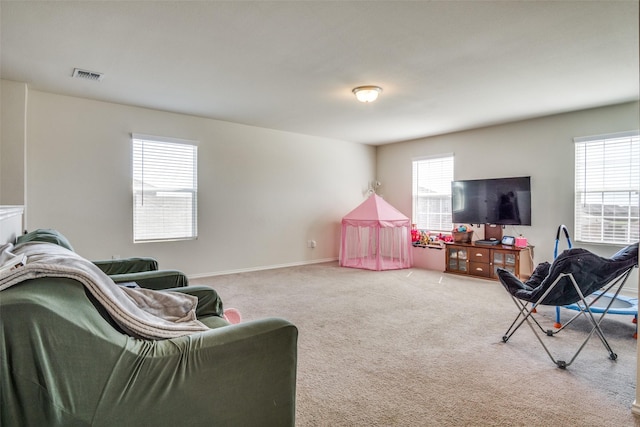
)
(127, 265)
(238, 375)
(209, 302)
(158, 280)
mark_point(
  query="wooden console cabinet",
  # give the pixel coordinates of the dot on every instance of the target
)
(483, 260)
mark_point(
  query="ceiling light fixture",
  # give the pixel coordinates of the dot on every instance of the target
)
(367, 93)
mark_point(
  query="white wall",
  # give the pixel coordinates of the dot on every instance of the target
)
(13, 107)
(541, 148)
(262, 193)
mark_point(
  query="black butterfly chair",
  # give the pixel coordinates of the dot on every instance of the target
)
(574, 275)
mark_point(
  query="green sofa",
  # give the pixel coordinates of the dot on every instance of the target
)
(142, 270)
(64, 362)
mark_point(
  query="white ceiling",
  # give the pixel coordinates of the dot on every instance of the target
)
(444, 66)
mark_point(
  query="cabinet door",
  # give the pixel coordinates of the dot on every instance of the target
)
(457, 259)
(510, 259)
(498, 258)
(507, 260)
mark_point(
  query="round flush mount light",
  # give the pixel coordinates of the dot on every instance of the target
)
(367, 93)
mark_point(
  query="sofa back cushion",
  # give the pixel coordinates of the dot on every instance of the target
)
(45, 235)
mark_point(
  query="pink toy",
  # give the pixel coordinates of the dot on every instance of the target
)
(521, 242)
(232, 316)
(415, 234)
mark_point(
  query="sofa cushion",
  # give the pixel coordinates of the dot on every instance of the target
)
(45, 235)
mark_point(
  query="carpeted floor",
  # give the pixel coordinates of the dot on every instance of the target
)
(422, 348)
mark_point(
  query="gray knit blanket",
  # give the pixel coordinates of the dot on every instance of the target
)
(142, 313)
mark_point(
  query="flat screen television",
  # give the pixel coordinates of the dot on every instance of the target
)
(501, 201)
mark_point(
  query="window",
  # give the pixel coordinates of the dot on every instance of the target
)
(607, 188)
(432, 193)
(165, 189)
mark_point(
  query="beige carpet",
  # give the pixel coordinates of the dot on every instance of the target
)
(421, 348)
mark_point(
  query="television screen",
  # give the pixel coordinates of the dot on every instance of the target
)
(503, 201)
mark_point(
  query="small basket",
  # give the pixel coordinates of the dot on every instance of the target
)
(462, 236)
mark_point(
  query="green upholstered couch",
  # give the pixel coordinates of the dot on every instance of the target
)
(64, 362)
(142, 270)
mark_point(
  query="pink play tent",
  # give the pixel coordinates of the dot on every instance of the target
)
(376, 236)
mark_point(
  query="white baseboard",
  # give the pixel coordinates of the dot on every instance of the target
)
(266, 267)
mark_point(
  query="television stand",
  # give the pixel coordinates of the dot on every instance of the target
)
(473, 260)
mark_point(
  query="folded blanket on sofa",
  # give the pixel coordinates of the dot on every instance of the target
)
(143, 313)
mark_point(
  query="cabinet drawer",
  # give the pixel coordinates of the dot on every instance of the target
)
(480, 255)
(482, 269)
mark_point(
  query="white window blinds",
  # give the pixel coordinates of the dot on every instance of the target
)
(607, 186)
(432, 193)
(165, 188)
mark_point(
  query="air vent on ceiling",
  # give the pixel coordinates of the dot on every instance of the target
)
(89, 75)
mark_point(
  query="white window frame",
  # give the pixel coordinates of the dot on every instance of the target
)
(607, 188)
(165, 188)
(431, 192)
